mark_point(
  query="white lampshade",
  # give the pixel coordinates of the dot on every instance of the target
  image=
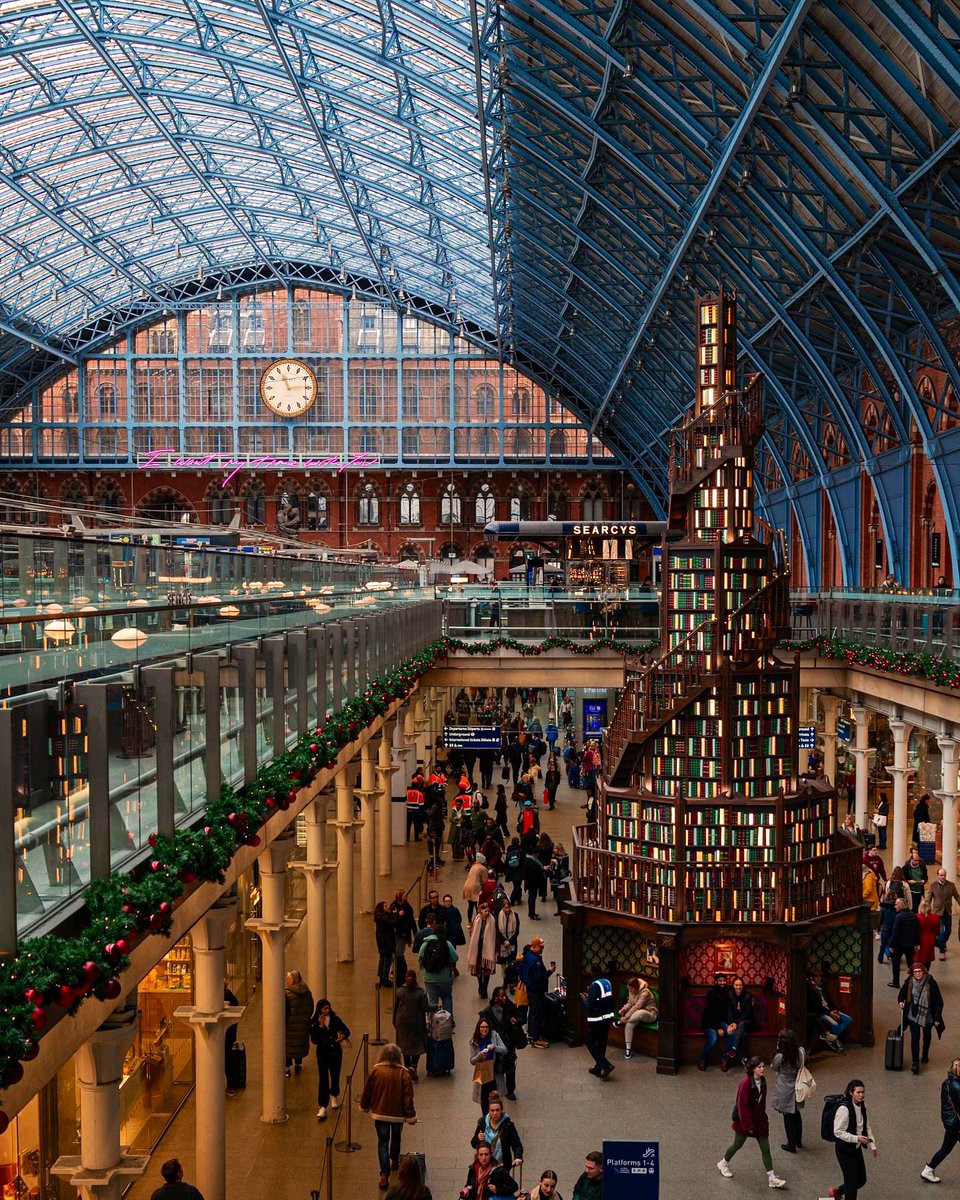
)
(80, 601)
(53, 609)
(59, 631)
(89, 608)
(138, 603)
(229, 610)
(379, 585)
(19, 602)
(129, 639)
(321, 609)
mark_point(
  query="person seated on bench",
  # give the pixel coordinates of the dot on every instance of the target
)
(739, 1022)
(640, 1007)
(821, 1010)
(713, 1022)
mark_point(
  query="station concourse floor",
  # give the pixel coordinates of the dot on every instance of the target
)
(561, 1111)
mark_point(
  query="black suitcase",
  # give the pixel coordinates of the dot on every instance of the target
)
(554, 1017)
(893, 1050)
(237, 1067)
(440, 1057)
(421, 1162)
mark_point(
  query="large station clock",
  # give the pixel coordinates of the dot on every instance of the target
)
(288, 387)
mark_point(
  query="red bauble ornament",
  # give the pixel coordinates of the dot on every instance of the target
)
(31, 1051)
(38, 1019)
(65, 996)
(152, 839)
(232, 818)
(35, 996)
(166, 908)
(314, 747)
(284, 804)
(156, 865)
(156, 921)
(207, 830)
(187, 876)
(127, 909)
(122, 946)
(270, 802)
(113, 989)
(91, 971)
(253, 841)
(292, 794)
(12, 1074)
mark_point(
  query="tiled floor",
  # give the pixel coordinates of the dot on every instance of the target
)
(561, 1111)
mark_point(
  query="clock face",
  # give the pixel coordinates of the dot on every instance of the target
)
(288, 387)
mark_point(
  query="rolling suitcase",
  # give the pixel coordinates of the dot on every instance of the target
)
(893, 1049)
(440, 1056)
(237, 1067)
(554, 1017)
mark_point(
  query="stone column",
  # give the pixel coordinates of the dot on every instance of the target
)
(209, 1019)
(273, 929)
(948, 794)
(862, 752)
(385, 770)
(102, 1170)
(404, 753)
(831, 706)
(368, 828)
(899, 773)
(316, 871)
(345, 834)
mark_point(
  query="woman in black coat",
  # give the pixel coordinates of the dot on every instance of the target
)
(950, 1116)
(385, 926)
(500, 1134)
(328, 1033)
(922, 1005)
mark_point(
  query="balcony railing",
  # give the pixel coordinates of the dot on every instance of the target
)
(925, 622)
(804, 889)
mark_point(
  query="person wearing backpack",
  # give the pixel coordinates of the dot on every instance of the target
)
(436, 958)
(513, 869)
(851, 1135)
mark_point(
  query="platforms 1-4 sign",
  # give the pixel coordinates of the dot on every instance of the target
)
(631, 1170)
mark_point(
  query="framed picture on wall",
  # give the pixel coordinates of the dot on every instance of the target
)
(651, 955)
(726, 958)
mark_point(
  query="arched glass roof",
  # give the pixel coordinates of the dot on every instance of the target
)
(559, 176)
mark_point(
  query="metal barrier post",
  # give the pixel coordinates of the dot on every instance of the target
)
(329, 1180)
(348, 1145)
(366, 1058)
(378, 1040)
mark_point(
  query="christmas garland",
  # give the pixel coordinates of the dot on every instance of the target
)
(584, 649)
(942, 672)
(54, 974)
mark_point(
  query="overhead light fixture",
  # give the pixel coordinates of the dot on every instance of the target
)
(200, 272)
(220, 292)
(392, 273)
(795, 92)
(343, 275)
(150, 224)
(316, 227)
(628, 65)
(353, 292)
(178, 250)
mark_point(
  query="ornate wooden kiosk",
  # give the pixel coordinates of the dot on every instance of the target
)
(709, 853)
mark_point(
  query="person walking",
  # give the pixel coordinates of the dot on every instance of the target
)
(904, 938)
(298, 1010)
(880, 819)
(437, 958)
(535, 977)
(477, 876)
(750, 1120)
(852, 1135)
(173, 1187)
(328, 1033)
(928, 923)
(482, 947)
(639, 1009)
(921, 816)
(950, 1117)
(922, 1005)
(409, 1185)
(410, 1022)
(943, 892)
(551, 781)
(915, 873)
(601, 1011)
(505, 1020)
(478, 1175)
(787, 1061)
(487, 1051)
(500, 1134)
(534, 881)
(385, 931)
(388, 1097)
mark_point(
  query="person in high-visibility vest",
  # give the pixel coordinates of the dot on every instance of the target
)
(601, 1011)
(415, 799)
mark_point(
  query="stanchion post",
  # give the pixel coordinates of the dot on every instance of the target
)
(366, 1057)
(379, 1040)
(329, 1179)
(348, 1145)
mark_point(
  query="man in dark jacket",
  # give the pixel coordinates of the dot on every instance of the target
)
(536, 978)
(513, 869)
(713, 1022)
(433, 907)
(904, 939)
(922, 1004)
(831, 1022)
(738, 1022)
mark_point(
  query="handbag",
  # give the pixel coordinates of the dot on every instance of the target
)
(806, 1087)
(546, 797)
(879, 820)
(483, 1071)
(505, 773)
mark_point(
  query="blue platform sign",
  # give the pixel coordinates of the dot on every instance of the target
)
(843, 730)
(807, 737)
(631, 1170)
